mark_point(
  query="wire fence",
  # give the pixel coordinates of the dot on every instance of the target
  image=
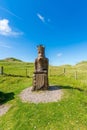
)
(68, 72)
(16, 72)
(53, 71)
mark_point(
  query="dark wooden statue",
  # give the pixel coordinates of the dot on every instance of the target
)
(40, 78)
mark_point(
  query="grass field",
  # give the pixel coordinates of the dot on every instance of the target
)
(68, 114)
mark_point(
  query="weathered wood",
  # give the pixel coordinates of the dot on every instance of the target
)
(2, 70)
(26, 73)
(40, 78)
(64, 70)
(76, 75)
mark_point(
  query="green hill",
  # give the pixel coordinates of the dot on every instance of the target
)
(82, 65)
(10, 59)
(82, 62)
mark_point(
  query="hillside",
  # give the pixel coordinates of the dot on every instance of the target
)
(10, 59)
(82, 65)
(69, 113)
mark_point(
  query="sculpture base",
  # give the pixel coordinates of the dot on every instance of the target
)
(40, 81)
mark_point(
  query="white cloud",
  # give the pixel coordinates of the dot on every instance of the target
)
(59, 54)
(4, 27)
(41, 17)
(6, 30)
(4, 45)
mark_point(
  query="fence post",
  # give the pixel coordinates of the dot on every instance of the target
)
(1, 71)
(76, 75)
(49, 72)
(64, 71)
(26, 72)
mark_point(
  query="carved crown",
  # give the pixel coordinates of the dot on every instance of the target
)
(41, 48)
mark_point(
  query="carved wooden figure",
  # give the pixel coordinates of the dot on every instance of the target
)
(40, 78)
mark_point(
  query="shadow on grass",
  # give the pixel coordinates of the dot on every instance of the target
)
(5, 97)
(14, 75)
(69, 87)
(56, 87)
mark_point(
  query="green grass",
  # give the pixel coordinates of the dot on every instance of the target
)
(68, 114)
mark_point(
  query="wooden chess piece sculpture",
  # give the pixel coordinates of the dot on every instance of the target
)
(40, 78)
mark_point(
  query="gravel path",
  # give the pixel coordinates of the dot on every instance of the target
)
(4, 109)
(53, 94)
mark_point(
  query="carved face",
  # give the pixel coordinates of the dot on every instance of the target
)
(40, 53)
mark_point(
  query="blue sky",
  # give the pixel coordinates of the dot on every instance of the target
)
(60, 25)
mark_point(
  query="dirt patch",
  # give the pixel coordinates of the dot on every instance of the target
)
(53, 94)
(4, 109)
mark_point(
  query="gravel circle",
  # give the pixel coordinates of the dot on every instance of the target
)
(53, 94)
(4, 109)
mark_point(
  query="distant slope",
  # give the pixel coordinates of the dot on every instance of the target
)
(10, 59)
(79, 66)
(82, 62)
(82, 65)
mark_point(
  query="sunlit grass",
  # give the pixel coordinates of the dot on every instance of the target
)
(68, 114)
